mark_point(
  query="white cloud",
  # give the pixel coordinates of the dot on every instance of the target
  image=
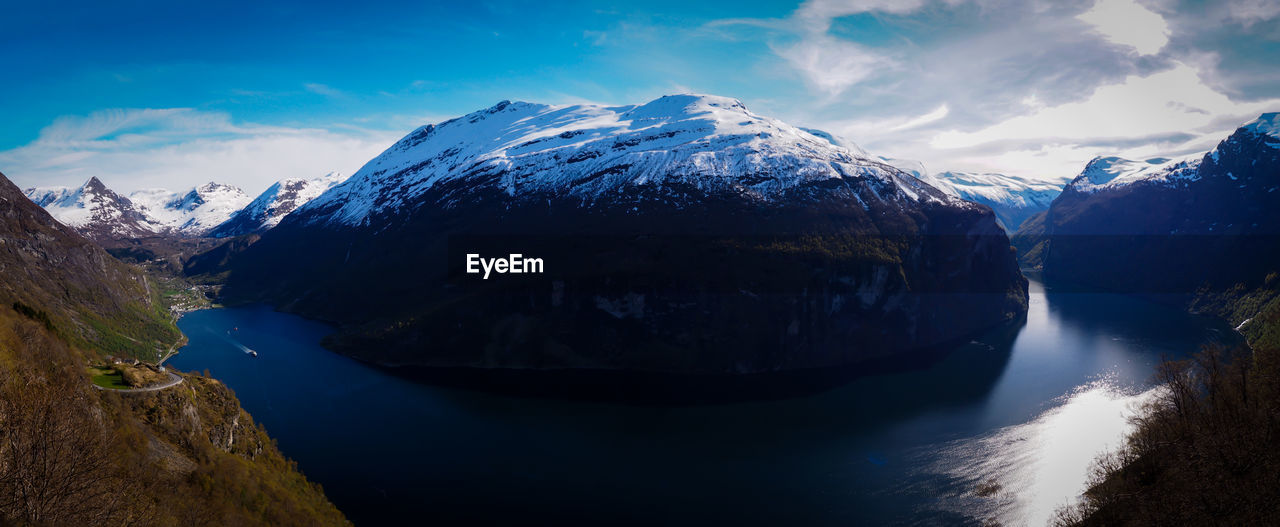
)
(1169, 102)
(817, 15)
(323, 89)
(936, 115)
(178, 148)
(830, 64)
(1250, 12)
(1125, 22)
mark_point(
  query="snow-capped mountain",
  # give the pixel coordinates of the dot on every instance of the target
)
(1112, 172)
(653, 221)
(94, 211)
(105, 216)
(1167, 224)
(593, 152)
(192, 213)
(281, 198)
(1013, 198)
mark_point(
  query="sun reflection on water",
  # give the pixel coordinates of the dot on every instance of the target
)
(1021, 474)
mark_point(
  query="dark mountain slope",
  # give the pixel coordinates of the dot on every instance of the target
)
(92, 299)
(684, 235)
(1177, 226)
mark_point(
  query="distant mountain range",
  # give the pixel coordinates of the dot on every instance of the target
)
(218, 211)
(686, 234)
(1013, 198)
(190, 213)
(212, 209)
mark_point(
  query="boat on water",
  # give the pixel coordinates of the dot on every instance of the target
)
(252, 353)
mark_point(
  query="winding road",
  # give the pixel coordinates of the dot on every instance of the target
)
(174, 380)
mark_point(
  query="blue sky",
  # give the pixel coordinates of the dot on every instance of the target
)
(172, 94)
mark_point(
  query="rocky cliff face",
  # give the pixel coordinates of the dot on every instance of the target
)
(683, 235)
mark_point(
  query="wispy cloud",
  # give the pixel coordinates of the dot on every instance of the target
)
(1033, 88)
(1250, 12)
(832, 65)
(323, 89)
(816, 15)
(828, 63)
(181, 147)
(1128, 23)
(938, 114)
(1141, 106)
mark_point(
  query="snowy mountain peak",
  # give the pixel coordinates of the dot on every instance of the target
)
(94, 185)
(1266, 124)
(207, 193)
(94, 210)
(1103, 170)
(681, 106)
(193, 212)
(1114, 172)
(280, 199)
(589, 151)
(1013, 198)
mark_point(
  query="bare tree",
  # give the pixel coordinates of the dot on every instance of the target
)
(56, 465)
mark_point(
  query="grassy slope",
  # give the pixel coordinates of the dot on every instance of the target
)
(107, 378)
(183, 456)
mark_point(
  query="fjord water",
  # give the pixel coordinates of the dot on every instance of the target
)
(1003, 428)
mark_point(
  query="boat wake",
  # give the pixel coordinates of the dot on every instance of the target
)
(241, 347)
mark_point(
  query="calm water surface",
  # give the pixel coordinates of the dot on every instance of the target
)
(1019, 413)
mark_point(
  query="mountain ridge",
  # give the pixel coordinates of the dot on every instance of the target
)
(587, 151)
(209, 210)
